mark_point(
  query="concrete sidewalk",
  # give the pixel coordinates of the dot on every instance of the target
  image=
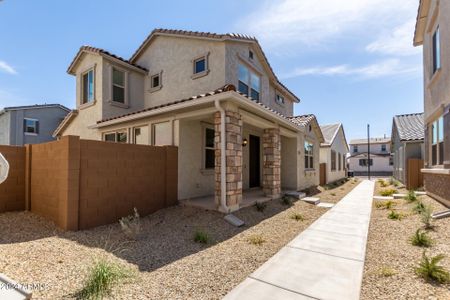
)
(326, 261)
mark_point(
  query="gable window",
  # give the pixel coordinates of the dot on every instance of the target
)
(250, 54)
(437, 142)
(87, 87)
(209, 154)
(279, 99)
(333, 160)
(31, 126)
(436, 50)
(156, 82)
(249, 82)
(118, 88)
(118, 137)
(355, 148)
(383, 147)
(309, 155)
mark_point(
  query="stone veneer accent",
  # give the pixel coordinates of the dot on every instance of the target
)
(438, 186)
(272, 162)
(233, 124)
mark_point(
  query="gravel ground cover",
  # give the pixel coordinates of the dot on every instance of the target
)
(166, 262)
(391, 258)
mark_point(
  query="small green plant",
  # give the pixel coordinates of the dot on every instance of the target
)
(257, 240)
(102, 276)
(131, 225)
(419, 207)
(387, 271)
(389, 204)
(430, 270)
(393, 215)
(426, 216)
(388, 192)
(297, 217)
(421, 239)
(383, 183)
(201, 237)
(411, 196)
(286, 200)
(260, 206)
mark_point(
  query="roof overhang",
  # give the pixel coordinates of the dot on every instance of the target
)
(421, 22)
(65, 122)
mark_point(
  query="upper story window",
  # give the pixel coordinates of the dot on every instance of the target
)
(437, 142)
(279, 99)
(200, 66)
(250, 54)
(155, 81)
(87, 87)
(309, 155)
(249, 82)
(355, 148)
(118, 88)
(436, 50)
(31, 126)
(383, 147)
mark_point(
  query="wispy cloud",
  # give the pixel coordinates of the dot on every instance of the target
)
(389, 67)
(5, 67)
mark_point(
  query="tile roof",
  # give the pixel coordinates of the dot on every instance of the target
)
(36, 106)
(302, 121)
(329, 132)
(101, 51)
(69, 117)
(410, 127)
(372, 141)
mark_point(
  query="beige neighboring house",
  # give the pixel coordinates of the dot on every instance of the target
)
(433, 33)
(381, 161)
(333, 152)
(195, 90)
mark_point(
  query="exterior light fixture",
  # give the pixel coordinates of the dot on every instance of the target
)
(244, 142)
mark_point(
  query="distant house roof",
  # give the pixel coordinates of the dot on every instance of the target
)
(36, 106)
(306, 120)
(410, 127)
(372, 141)
(330, 131)
(365, 154)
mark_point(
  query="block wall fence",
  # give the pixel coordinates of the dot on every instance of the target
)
(80, 184)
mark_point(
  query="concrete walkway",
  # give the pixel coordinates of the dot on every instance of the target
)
(326, 261)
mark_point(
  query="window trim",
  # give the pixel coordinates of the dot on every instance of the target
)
(249, 82)
(204, 56)
(436, 51)
(277, 95)
(82, 105)
(125, 104)
(36, 126)
(439, 140)
(156, 88)
(116, 135)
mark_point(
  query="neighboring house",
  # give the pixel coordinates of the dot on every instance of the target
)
(333, 152)
(380, 161)
(433, 32)
(30, 124)
(407, 143)
(194, 90)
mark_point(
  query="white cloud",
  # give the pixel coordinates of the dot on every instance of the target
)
(7, 68)
(388, 67)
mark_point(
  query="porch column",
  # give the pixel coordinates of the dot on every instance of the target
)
(272, 162)
(233, 136)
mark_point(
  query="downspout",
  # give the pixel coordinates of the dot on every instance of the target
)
(223, 160)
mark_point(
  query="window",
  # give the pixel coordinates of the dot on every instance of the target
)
(383, 147)
(363, 162)
(249, 82)
(436, 50)
(250, 54)
(339, 162)
(437, 142)
(141, 136)
(156, 82)
(118, 137)
(279, 99)
(200, 65)
(333, 160)
(31, 126)
(355, 148)
(309, 156)
(87, 86)
(209, 156)
(162, 134)
(118, 88)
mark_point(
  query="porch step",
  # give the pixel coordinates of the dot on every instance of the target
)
(399, 196)
(312, 200)
(233, 220)
(420, 193)
(295, 194)
(12, 290)
(383, 198)
(325, 205)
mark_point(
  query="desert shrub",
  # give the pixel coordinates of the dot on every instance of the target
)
(387, 271)
(201, 237)
(385, 204)
(426, 216)
(131, 225)
(421, 239)
(102, 277)
(297, 217)
(430, 270)
(384, 183)
(388, 192)
(393, 215)
(333, 194)
(286, 200)
(411, 196)
(419, 207)
(260, 206)
(257, 240)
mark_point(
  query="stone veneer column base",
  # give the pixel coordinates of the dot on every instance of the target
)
(272, 162)
(438, 187)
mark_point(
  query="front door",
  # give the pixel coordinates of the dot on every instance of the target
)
(254, 153)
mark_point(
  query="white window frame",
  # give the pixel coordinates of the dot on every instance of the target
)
(158, 87)
(116, 135)
(309, 155)
(437, 122)
(249, 80)
(277, 99)
(91, 102)
(36, 126)
(204, 72)
(125, 87)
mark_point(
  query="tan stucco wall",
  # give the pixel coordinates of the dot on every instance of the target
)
(289, 163)
(380, 164)
(308, 178)
(339, 146)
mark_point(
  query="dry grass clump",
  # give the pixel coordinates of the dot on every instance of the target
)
(297, 217)
(388, 192)
(257, 240)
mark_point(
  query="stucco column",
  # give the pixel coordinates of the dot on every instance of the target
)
(233, 136)
(272, 162)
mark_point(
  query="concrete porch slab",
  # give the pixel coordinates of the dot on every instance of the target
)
(312, 200)
(399, 196)
(383, 198)
(295, 194)
(325, 204)
(418, 193)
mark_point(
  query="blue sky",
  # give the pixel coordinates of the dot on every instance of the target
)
(350, 61)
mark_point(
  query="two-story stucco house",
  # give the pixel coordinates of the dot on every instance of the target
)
(381, 162)
(215, 97)
(433, 33)
(333, 153)
(31, 124)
